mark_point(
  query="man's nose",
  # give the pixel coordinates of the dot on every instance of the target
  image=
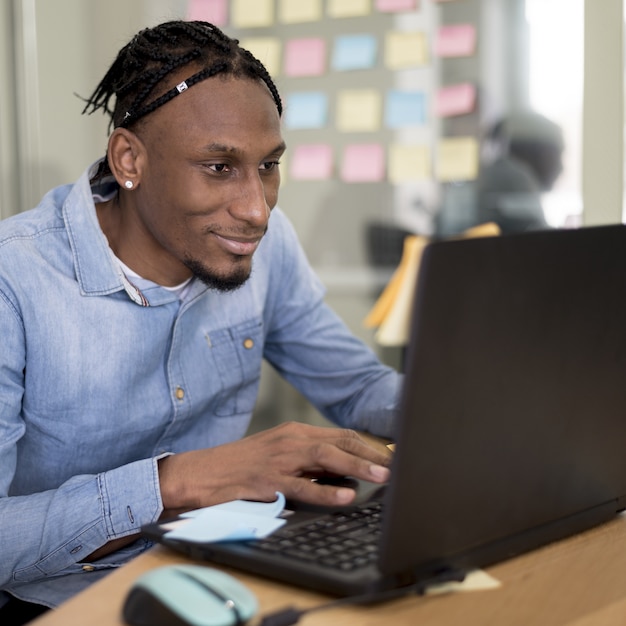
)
(252, 204)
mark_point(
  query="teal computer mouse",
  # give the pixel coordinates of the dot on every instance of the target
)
(188, 595)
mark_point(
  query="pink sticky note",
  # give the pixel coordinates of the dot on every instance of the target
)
(455, 100)
(363, 163)
(396, 6)
(214, 11)
(305, 57)
(458, 40)
(311, 162)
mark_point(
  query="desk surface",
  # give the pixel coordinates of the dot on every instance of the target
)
(580, 581)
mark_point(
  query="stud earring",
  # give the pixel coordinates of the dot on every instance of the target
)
(129, 184)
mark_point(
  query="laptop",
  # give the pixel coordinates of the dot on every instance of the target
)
(512, 427)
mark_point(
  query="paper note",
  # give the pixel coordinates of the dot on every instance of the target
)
(405, 49)
(311, 162)
(405, 108)
(305, 57)
(363, 163)
(359, 110)
(348, 8)
(396, 6)
(296, 11)
(457, 159)
(266, 50)
(475, 580)
(252, 13)
(214, 11)
(456, 40)
(354, 52)
(307, 109)
(398, 296)
(238, 520)
(455, 100)
(408, 163)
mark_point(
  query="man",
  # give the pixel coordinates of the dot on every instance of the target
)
(136, 307)
(529, 150)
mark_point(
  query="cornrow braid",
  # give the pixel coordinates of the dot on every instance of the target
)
(135, 79)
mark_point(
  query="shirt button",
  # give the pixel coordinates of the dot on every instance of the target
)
(88, 568)
(180, 393)
(248, 343)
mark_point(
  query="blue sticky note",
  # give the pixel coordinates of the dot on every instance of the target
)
(239, 520)
(306, 109)
(354, 52)
(405, 108)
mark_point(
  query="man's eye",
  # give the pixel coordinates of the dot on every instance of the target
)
(218, 167)
(269, 165)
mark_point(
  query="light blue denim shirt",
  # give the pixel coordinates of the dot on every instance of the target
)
(98, 379)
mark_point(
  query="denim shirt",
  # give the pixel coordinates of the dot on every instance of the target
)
(100, 378)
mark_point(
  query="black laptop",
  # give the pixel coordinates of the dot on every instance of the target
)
(512, 431)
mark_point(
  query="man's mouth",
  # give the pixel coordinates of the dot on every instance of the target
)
(240, 246)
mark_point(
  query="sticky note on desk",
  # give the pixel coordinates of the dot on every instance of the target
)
(238, 520)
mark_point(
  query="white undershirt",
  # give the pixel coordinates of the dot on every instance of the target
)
(180, 290)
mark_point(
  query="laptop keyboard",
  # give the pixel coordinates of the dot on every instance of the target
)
(345, 540)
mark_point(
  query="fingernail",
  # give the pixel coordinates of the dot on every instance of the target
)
(379, 472)
(344, 496)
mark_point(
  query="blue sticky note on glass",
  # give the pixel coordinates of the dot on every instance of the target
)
(306, 109)
(354, 52)
(405, 108)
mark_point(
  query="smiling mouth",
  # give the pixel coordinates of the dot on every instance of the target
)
(238, 246)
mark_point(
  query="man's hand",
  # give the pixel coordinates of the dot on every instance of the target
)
(284, 459)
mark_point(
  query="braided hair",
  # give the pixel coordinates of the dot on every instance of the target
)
(136, 76)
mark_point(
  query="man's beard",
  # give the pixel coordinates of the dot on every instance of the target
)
(215, 281)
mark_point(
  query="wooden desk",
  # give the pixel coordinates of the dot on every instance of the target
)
(580, 581)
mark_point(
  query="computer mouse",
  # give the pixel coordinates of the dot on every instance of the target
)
(188, 595)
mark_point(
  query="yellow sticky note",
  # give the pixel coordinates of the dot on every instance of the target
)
(359, 110)
(295, 11)
(252, 13)
(409, 163)
(457, 159)
(267, 50)
(405, 49)
(348, 8)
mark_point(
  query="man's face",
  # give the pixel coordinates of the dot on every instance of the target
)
(208, 181)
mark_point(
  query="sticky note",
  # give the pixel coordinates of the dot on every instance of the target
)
(456, 40)
(305, 57)
(348, 8)
(405, 108)
(354, 52)
(311, 162)
(408, 162)
(455, 100)
(306, 110)
(214, 11)
(396, 6)
(457, 159)
(405, 49)
(363, 163)
(295, 11)
(358, 110)
(231, 521)
(265, 49)
(252, 13)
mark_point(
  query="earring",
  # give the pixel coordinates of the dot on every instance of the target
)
(129, 184)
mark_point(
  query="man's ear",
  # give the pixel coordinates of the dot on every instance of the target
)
(125, 156)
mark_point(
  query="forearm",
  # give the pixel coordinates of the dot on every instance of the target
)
(52, 533)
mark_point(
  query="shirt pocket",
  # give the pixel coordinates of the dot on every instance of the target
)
(237, 353)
